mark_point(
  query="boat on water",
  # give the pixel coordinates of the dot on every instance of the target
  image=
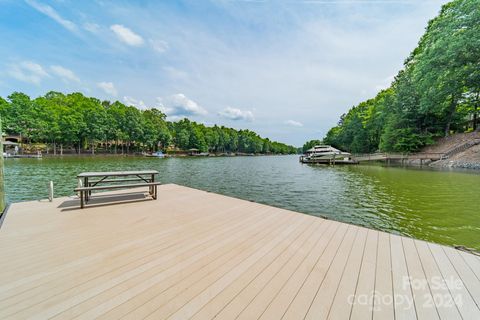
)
(326, 154)
(196, 153)
(14, 156)
(158, 154)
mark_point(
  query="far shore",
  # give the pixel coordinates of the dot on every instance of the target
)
(140, 155)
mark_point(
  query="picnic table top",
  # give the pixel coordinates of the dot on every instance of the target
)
(115, 173)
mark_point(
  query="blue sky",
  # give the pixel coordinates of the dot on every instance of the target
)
(286, 69)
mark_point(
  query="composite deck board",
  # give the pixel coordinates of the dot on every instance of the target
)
(473, 262)
(179, 294)
(199, 301)
(443, 298)
(461, 296)
(153, 304)
(383, 307)
(362, 306)
(245, 289)
(261, 301)
(172, 257)
(424, 306)
(66, 247)
(282, 300)
(189, 309)
(127, 255)
(299, 307)
(466, 274)
(199, 255)
(342, 303)
(107, 272)
(320, 306)
(177, 278)
(126, 248)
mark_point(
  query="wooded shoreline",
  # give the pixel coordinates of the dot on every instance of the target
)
(82, 123)
(138, 154)
(437, 93)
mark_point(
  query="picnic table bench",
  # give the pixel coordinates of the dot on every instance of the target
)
(94, 181)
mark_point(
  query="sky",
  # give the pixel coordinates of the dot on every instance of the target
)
(286, 69)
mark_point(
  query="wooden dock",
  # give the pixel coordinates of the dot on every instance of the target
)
(332, 161)
(432, 156)
(199, 255)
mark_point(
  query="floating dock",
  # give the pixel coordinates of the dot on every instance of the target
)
(327, 161)
(16, 156)
(199, 255)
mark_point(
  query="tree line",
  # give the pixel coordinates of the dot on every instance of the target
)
(437, 92)
(83, 123)
(310, 144)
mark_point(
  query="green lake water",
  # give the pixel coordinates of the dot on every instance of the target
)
(439, 206)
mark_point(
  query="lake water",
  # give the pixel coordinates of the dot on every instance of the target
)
(439, 206)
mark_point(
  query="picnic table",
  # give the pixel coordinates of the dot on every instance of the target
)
(93, 181)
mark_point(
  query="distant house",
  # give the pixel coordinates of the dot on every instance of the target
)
(9, 147)
(193, 152)
(472, 121)
(12, 138)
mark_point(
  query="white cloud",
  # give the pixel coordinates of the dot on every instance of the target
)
(236, 114)
(108, 88)
(175, 118)
(178, 105)
(91, 27)
(385, 83)
(319, 67)
(28, 71)
(175, 73)
(159, 45)
(126, 35)
(52, 13)
(65, 74)
(129, 101)
(294, 123)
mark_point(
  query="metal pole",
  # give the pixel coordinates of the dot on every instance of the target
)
(50, 191)
(2, 189)
(80, 184)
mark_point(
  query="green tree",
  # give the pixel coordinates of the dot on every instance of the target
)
(435, 94)
(310, 144)
(81, 122)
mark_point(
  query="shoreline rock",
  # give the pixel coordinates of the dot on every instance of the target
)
(456, 164)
